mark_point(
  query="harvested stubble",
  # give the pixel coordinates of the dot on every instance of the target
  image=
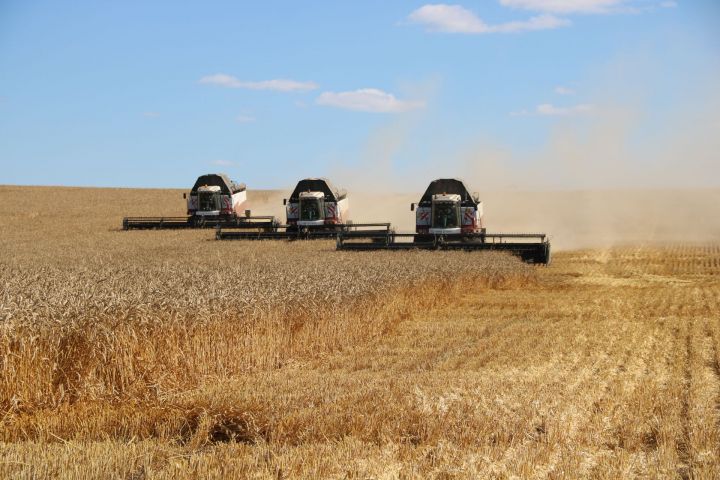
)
(163, 355)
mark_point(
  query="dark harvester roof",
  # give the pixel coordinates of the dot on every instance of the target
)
(449, 186)
(227, 186)
(318, 185)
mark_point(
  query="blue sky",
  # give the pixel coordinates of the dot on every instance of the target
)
(152, 94)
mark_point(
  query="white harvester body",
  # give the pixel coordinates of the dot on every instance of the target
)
(447, 208)
(214, 195)
(316, 203)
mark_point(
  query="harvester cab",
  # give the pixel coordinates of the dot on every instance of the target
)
(316, 204)
(312, 209)
(209, 200)
(448, 208)
(445, 214)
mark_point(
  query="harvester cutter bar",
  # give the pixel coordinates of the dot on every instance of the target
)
(515, 243)
(157, 223)
(287, 232)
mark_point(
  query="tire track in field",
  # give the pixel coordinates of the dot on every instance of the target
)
(584, 410)
(544, 336)
(703, 431)
(715, 335)
(655, 304)
(642, 351)
(654, 373)
(684, 469)
(673, 306)
(534, 446)
(489, 338)
(563, 409)
(613, 402)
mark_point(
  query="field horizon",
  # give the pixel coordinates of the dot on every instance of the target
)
(573, 218)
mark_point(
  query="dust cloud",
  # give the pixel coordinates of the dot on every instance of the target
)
(618, 176)
(623, 174)
(267, 202)
(605, 218)
(573, 219)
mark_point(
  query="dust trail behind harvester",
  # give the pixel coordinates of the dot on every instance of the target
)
(613, 177)
(604, 218)
(593, 184)
(573, 219)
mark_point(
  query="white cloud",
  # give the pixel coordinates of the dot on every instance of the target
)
(151, 114)
(368, 100)
(245, 119)
(457, 19)
(223, 163)
(560, 90)
(565, 6)
(541, 22)
(448, 18)
(547, 109)
(588, 6)
(280, 85)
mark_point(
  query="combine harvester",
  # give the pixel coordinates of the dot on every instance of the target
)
(448, 217)
(315, 209)
(214, 201)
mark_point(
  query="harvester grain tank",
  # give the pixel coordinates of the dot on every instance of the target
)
(214, 200)
(315, 209)
(449, 217)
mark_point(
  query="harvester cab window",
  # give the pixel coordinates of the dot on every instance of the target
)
(209, 201)
(446, 215)
(312, 209)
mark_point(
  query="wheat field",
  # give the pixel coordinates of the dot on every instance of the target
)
(168, 355)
